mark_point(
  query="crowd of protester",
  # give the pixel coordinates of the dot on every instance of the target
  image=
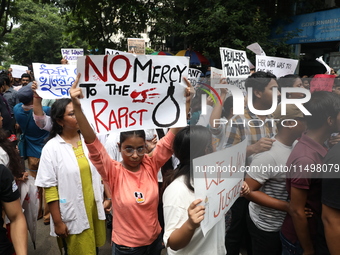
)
(142, 181)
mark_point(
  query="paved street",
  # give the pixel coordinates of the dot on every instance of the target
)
(47, 245)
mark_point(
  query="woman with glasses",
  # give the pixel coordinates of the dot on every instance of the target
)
(133, 183)
(73, 187)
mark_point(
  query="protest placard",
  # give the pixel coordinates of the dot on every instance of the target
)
(235, 66)
(256, 48)
(129, 92)
(71, 55)
(136, 46)
(216, 75)
(322, 82)
(54, 81)
(18, 70)
(277, 66)
(218, 179)
(194, 76)
(113, 52)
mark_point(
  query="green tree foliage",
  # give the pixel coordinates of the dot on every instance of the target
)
(96, 21)
(40, 34)
(7, 9)
(207, 25)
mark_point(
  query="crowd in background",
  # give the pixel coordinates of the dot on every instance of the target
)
(142, 181)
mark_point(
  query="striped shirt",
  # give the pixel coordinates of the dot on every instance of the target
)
(248, 126)
(267, 169)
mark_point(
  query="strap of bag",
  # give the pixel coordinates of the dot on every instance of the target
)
(28, 119)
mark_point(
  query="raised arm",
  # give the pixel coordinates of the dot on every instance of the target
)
(37, 106)
(84, 126)
(217, 111)
(189, 93)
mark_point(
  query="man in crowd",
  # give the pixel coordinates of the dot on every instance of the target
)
(259, 140)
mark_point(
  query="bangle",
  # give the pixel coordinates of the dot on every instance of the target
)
(108, 199)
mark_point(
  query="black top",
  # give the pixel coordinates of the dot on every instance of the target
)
(8, 193)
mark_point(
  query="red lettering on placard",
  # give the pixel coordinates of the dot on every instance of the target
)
(89, 62)
(128, 66)
(122, 117)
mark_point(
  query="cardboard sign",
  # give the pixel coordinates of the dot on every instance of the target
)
(18, 70)
(113, 52)
(130, 92)
(54, 81)
(136, 46)
(322, 82)
(194, 76)
(218, 181)
(71, 55)
(277, 66)
(235, 66)
(256, 48)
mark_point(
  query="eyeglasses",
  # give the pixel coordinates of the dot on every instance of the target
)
(130, 151)
(72, 115)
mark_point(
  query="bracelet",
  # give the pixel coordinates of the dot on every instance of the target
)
(108, 199)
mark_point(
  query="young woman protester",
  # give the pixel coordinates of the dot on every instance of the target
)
(133, 183)
(73, 187)
(182, 212)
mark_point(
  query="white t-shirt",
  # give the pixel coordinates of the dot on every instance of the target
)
(176, 200)
(273, 182)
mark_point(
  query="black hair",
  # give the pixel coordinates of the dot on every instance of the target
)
(57, 113)
(287, 80)
(323, 104)
(259, 81)
(227, 106)
(189, 143)
(15, 164)
(4, 78)
(26, 75)
(197, 100)
(125, 135)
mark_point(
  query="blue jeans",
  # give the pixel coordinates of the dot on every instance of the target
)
(153, 249)
(290, 249)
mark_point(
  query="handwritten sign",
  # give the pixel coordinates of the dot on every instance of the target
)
(136, 46)
(215, 76)
(194, 76)
(277, 66)
(113, 52)
(54, 81)
(129, 92)
(218, 181)
(322, 82)
(235, 66)
(18, 70)
(71, 55)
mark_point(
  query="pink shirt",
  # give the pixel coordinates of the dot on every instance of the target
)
(134, 194)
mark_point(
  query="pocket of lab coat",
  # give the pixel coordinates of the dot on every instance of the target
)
(67, 212)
